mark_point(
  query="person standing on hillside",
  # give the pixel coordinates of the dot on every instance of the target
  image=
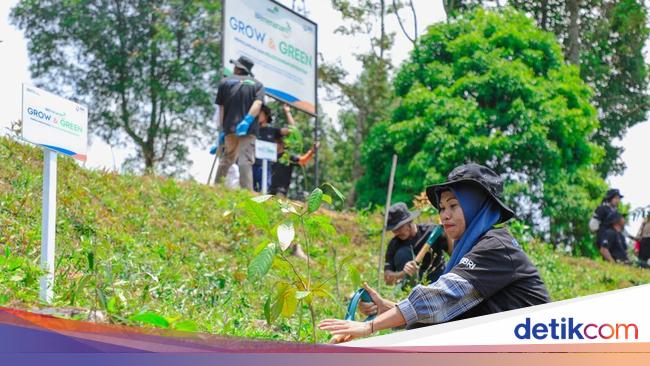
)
(282, 172)
(607, 206)
(240, 98)
(270, 133)
(644, 243)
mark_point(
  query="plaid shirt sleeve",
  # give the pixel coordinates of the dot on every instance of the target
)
(440, 301)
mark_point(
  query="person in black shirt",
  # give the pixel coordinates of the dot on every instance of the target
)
(281, 179)
(269, 133)
(488, 271)
(408, 241)
(240, 98)
(612, 242)
(608, 206)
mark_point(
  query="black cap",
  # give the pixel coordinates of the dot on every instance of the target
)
(612, 193)
(481, 175)
(613, 218)
(244, 63)
(398, 215)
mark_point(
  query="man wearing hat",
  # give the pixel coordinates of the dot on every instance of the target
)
(239, 99)
(612, 242)
(407, 242)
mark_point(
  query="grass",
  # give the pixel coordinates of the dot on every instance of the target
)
(174, 254)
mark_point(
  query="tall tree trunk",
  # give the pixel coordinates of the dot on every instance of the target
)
(544, 15)
(357, 169)
(573, 40)
(382, 43)
(149, 159)
(149, 147)
(450, 6)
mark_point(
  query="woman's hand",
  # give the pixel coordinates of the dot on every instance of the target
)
(377, 306)
(345, 330)
(340, 339)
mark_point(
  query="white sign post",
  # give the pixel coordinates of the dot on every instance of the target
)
(60, 126)
(265, 151)
(48, 225)
(281, 43)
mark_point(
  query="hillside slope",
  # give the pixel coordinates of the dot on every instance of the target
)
(148, 250)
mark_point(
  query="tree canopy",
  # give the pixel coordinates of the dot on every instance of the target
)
(608, 47)
(489, 87)
(147, 70)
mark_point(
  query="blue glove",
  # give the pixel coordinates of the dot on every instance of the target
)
(220, 141)
(242, 127)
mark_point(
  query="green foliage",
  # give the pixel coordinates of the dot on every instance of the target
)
(367, 99)
(293, 144)
(568, 277)
(147, 254)
(290, 296)
(261, 264)
(147, 70)
(612, 37)
(490, 88)
(19, 277)
(151, 319)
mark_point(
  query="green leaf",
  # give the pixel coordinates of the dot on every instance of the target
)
(278, 301)
(261, 199)
(327, 198)
(267, 310)
(256, 214)
(321, 292)
(261, 264)
(286, 234)
(186, 326)
(287, 208)
(91, 260)
(290, 302)
(314, 200)
(302, 294)
(101, 296)
(355, 276)
(281, 265)
(111, 307)
(16, 278)
(151, 318)
(338, 193)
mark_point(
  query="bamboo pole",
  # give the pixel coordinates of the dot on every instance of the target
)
(383, 230)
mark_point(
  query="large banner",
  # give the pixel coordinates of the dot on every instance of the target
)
(54, 122)
(281, 43)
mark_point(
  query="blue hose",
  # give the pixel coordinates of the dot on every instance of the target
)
(361, 294)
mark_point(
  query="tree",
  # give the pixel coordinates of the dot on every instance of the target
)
(366, 98)
(147, 70)
(491, 88)
(606, 39)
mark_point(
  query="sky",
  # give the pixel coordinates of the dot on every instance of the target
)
(634, 183)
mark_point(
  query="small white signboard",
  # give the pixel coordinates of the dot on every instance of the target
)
(265, 150)
(54, 122)
(60, 126)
